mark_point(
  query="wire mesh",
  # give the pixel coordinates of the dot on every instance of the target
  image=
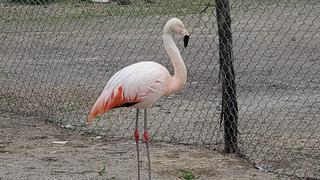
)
(276, 47)
(56, 57)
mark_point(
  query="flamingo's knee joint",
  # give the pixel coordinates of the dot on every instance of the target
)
(146, 136)
(136, 135)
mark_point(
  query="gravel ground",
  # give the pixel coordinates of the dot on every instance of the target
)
(27, 152)
(55, 59)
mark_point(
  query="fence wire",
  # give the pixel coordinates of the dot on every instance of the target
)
(56, 57)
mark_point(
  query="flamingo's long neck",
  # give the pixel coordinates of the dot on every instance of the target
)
(178, 80)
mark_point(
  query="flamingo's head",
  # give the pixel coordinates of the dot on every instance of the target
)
(175, 25)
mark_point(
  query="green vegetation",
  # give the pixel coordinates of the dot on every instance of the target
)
(73, 8)
(32, 2)
(103, 171)
(77, 12)
(188, 175)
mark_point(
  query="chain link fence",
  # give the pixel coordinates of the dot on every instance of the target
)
(56, 57)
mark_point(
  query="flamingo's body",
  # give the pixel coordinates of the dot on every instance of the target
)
(138, 86)
(141, 84)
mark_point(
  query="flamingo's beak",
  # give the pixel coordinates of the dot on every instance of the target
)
(186, 40)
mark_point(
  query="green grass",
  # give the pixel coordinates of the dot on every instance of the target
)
(32, 2)
(103, 171)
(69, 10)
(187, 175)
(59, 11)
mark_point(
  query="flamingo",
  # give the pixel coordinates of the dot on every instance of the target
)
(141, 84)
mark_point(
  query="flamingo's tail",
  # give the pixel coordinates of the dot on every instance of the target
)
(99, 107)
(107, 101)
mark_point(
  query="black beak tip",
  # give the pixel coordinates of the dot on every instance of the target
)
(186, 40)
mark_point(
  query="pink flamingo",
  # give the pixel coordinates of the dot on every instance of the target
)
(141, 84)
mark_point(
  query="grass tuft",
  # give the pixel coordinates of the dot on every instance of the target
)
(187, 175)
(103, 171)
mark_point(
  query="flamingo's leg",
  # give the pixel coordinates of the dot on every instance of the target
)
(146, 139)
(136, 136)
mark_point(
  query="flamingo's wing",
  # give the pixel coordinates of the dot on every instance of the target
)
(137, 83)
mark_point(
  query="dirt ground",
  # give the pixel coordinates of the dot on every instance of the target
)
(27, 151)
(56, 59)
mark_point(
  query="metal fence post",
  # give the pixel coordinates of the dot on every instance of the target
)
(229, 113)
